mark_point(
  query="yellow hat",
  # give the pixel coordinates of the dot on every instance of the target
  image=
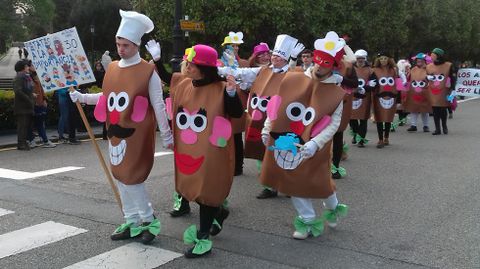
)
(227, 40)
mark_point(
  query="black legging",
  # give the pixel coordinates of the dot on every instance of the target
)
(440, 113)
(359, 127)
(383, 131)
(238, 152)
(207, 214)
(337, 148)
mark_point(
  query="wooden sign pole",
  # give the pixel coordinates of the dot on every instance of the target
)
(99, 153)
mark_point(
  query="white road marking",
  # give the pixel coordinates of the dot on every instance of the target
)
(20, 175)
(5, 212)
(133, 255)
(35, 236)
(469, 99)
(162, 153)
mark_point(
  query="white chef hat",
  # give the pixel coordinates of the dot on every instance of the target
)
(284, 45)
(133, 26)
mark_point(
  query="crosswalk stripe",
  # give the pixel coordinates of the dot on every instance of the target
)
(35, 236)
(133, 255)
(5, 212)
(162, 153)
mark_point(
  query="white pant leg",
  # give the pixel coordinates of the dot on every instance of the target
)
(331, 202)
(425, 117)
(130, 212)
(139, 198)
(304, 208)
(413, 119)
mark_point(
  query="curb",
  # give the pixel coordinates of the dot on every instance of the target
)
(79, 137)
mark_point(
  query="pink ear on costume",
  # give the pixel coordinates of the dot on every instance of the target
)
(399, 85)
(140, 107)
(100, 111)
(272, 107)
(320, 125)
(221, 132)
(168, 106)
(448, 83)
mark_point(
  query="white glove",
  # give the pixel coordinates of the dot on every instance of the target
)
(77, 96)
(296, 50)
(430, 77)
(265, 139)
(309, 149)
(372, 83)
(154, 49)
(338, 79)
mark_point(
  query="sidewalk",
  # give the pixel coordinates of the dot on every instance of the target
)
(9, 140)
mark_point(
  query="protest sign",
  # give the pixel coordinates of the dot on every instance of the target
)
(60, 60)
(468, 82)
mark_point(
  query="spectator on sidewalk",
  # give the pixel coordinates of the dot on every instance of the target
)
(20, 52)
(25, 53)
(23, 104)
(40, 108)
(106, 59)
(63, 109)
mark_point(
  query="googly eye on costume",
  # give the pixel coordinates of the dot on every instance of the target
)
(390, 81)
(295, 111)
(118, 102)
(383, 81)
(308, 116)
(254, 101)
(361, 82)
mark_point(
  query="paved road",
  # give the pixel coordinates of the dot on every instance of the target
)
(413, 204)
(7, 64)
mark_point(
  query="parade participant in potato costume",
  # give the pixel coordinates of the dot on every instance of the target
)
(201, 105)
(302, 119)
(417, 102)
(131, 104)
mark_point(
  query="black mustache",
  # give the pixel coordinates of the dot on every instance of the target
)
(115, 130)
(359, 95)
(386, 94)
(275, 136)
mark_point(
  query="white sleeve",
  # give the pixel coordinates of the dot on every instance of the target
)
(403, 77)
(329, 131)
(247, 75)
(92, 98)
(156, 99)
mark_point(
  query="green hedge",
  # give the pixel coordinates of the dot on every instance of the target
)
(7, 119)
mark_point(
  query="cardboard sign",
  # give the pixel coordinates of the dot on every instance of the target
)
(468, 82)
(60, 60)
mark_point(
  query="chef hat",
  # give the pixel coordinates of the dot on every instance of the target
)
(133, 26)
(284, 45)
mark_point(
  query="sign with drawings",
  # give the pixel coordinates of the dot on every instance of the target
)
(60, 60)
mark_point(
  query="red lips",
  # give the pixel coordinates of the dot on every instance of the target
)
(187, 164)
(436, 91)
(418, 98)
(253, 134)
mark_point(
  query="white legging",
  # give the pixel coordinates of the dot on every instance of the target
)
(414, 116)
(305, 208)
(136, 205)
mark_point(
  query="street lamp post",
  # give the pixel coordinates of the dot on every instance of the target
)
(92, 31)
(178, 46)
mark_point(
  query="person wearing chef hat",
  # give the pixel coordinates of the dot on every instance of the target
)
(131, 104)
(264, 84)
